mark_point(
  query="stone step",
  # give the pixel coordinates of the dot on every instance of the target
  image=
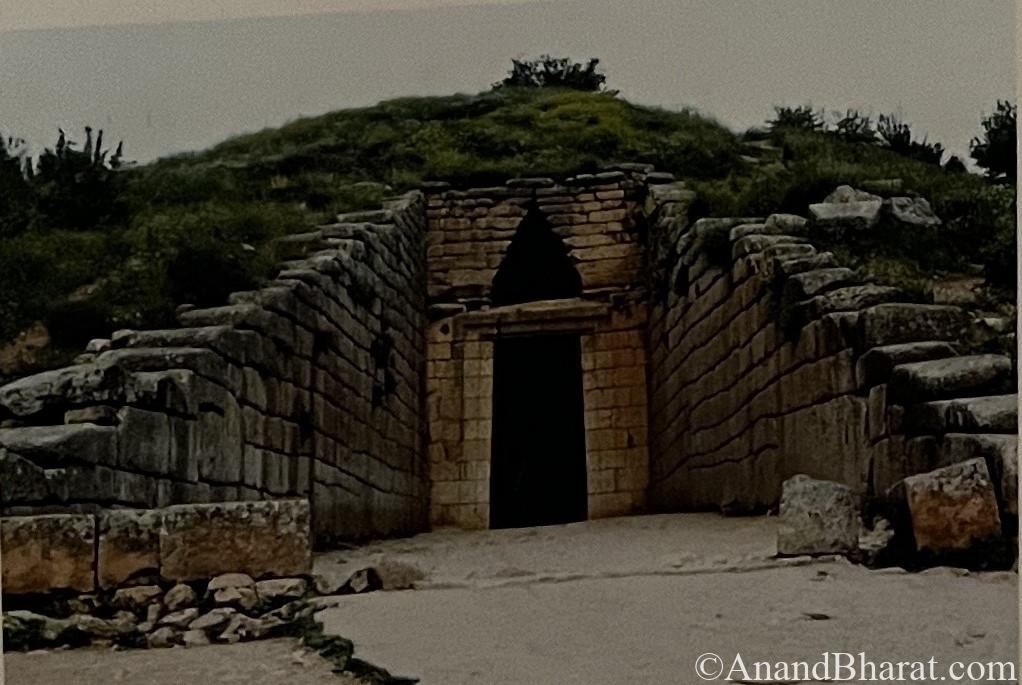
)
(890, 324)
(875, 366)
(939, 379)
(993, 414)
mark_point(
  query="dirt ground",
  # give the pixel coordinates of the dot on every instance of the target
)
(630, 600)
(271, 662)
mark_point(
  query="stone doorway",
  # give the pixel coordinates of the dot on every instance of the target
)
(538, 465)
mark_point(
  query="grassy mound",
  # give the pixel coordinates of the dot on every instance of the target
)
(194, 227)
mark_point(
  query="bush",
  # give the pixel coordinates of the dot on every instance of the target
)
(802, 118)
(996, 151)
(555, 72)
(896, 136)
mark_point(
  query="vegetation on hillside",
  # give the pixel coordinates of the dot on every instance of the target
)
(88, 244)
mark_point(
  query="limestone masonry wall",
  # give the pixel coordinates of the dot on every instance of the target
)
(310, 387)
(767, 359)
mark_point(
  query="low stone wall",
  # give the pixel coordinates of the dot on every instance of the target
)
(128, 547)
(310, 387)
(767, 359)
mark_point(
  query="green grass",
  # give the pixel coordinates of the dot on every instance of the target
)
(193, 227)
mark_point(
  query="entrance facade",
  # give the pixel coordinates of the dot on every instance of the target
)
(536, 379)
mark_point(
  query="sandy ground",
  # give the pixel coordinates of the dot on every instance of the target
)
(637, 600)
(630, 600)
(270, 662)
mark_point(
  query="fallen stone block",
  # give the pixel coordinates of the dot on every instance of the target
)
(44, 553)
(952, 508)
(1001, 455)
(260, 539)
(912, 213)
(844, 194)
(842, 218)
(817, 517)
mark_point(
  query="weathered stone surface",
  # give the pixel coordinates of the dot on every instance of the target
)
(281, 590)
(983, 374)
(214, 620)
(751, 244)
(226, 581)
(790, 224)
(180, 597)
(21, 481)
(194, 638)
(105, 629)
(841, 218)
(136, 599)
(888, 324)
(164, 637)
(129, 545)
(817, 517)
(180, 619)
(84, 383)
(23, 630)
(846, 194)
(849, 299)
(1001, 455)
(243, 598)
(875, 365)
(42, 553)
(55, 446)
(996, 414)
(952, 508)
(269, 538)
(811, 283)
(910, 213)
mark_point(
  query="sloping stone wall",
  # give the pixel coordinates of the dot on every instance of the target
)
(309, 387)
(767, 359)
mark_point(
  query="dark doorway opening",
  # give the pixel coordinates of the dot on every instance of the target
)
(538, 468)
(537, 265)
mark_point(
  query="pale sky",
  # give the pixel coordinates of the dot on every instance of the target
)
(46, 14)
(172, 87)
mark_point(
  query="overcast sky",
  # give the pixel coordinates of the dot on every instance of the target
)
(166, 86)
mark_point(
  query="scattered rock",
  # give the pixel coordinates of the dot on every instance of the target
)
(910, 212)
(163, 637)
(27, 630)
(136, 599)
(817, 517)
(194, 638)
(243, 598)
(230, 580)
(876, 543)
(241, 627)
(279, 591)
(213, 621)
(364, 580)
(180, 619)
(179, 597)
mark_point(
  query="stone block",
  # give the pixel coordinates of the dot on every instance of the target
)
(817, 517)
(129, 545)
(43, 553)
(952, 508)
(268, 538)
